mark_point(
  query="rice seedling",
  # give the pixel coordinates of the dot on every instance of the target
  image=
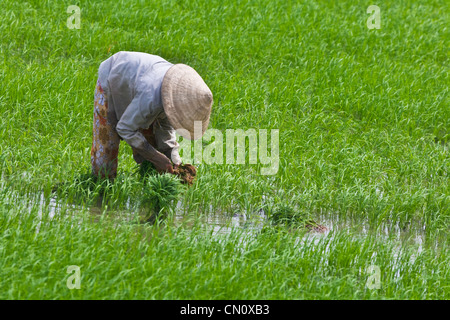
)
(288, 216)
(146, 169)
(159, 195)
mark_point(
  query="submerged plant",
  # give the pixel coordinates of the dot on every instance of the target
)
(286, 215)
(160, 192)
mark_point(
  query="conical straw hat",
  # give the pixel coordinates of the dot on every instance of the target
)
(186, 99)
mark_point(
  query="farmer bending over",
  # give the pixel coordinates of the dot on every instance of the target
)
(143, 99)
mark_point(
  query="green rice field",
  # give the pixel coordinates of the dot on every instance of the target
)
(364, 134)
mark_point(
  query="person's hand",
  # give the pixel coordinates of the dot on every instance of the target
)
(162, 163)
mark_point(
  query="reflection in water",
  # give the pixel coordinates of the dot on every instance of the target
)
(220, 223)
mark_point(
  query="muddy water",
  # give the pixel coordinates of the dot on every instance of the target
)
(247, 224)
(251, 224)
(224, 223)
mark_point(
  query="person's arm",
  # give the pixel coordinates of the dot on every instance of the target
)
(131, 121)
(166, 139)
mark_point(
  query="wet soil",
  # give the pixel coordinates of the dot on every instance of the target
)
(316, 228)
(186, 172)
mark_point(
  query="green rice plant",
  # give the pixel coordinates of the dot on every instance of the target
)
(83, 188)
(146, 169)
(159, 196)
(364, 139)
(288, 216)
(122, 261)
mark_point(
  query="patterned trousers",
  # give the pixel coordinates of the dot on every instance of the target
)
(106, 141)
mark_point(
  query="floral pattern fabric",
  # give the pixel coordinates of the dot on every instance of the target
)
(106, 141)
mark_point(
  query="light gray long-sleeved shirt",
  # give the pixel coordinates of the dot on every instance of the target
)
(132, 83)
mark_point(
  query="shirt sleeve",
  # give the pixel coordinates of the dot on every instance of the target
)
(134, 118)
(166, 139)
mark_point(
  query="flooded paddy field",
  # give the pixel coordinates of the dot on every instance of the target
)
(350, 199)
(210, 255)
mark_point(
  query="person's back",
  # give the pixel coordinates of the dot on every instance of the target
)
(127, 74)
